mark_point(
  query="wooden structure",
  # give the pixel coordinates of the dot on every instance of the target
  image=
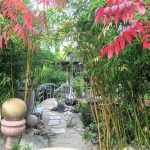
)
(46, 91)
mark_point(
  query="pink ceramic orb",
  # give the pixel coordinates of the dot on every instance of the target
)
(14, 109)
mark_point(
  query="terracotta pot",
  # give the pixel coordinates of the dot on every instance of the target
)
(14, 109)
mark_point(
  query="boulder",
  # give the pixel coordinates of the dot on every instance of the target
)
(50, 104)
(32, 121)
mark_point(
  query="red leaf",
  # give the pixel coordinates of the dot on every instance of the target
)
(109, 2)
(133, 32)
(19, 32)
(114, 9)
(124, 15)
(1, 42)
(116, 18)
(115, 2)
(139, 26)
(121, 8)
(127, 29)
(141, 9)
(146, 44)
(11, 15)
(104, 50)
(4, 13)
(107, 11)
(99, 14)
(110, 51)
(127, 36)
(117, 47)
(120, 1)
(136, 1)
(133, 22)
(131, 13)
(128, 5)
(106, 19)
(16, 28)
(122, 41)
(145, 31)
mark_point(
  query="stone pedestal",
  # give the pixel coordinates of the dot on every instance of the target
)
(12, 129)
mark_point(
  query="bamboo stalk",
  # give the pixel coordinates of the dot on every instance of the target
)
(27, 75)
(12, 81)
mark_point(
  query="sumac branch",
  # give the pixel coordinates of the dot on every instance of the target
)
(125, 10)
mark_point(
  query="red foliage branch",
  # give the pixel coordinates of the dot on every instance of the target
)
(146, 34)
(120, 41)
(121, 8)
(22, 19)
(11, 10)
(124, 9)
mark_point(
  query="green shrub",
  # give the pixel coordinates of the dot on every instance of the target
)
(89, 135)
(52, 74)
(86, 115)
(79, 84)
(21, 147)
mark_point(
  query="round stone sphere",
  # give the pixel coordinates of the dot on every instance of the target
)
(14, 109)
(32, 121)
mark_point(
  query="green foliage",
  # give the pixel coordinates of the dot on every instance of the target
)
(89, 135)
(12, 65)
(52, 74)
(21, 147)
(91, 132)
(79, 84)
(86, 115)
(5, 83)
(16, 147)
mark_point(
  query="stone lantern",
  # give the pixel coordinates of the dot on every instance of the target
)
(13, 124)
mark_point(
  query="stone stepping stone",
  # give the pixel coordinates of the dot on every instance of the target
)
(54, 117)
(58, 130)
(54, 122)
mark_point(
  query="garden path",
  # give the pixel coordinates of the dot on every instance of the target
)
(63, 136)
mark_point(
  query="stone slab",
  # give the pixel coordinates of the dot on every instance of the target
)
(52, 114)
(54, 122)
(58, 130)
(54, 117)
